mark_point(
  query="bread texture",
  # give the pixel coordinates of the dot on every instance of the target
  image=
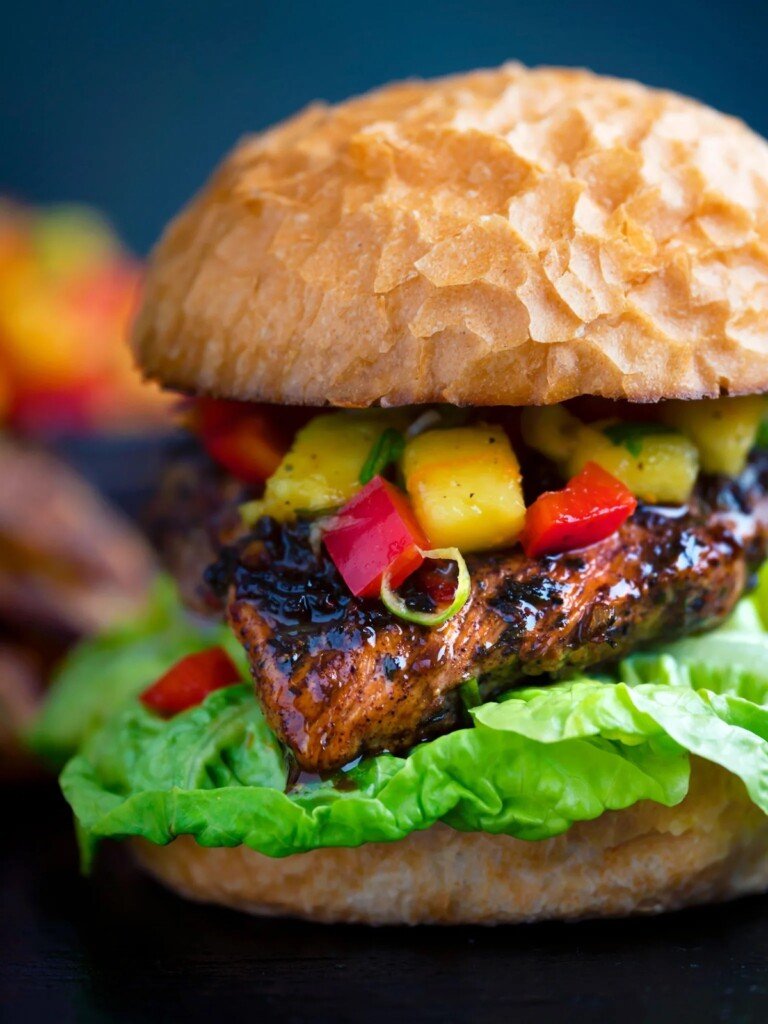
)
(648, 859)
(512, 236)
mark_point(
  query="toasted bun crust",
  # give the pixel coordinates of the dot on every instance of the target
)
(644, 860)
(512, 236)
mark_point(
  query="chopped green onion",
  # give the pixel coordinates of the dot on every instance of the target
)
(398, 607)
(387, 449)
(761, 441)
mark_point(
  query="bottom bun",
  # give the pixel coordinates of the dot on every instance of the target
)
(644, 860)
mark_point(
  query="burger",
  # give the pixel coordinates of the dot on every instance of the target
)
(474, 522)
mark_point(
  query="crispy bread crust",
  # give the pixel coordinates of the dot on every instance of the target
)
(512, 236)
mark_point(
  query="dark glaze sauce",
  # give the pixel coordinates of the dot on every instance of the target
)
(295, 582)
(298, 588)
(338, 676)
(341, 779)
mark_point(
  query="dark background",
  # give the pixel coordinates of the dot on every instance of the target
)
(117, 949)
(129, 105)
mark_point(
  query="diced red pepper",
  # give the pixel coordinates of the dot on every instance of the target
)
(375, 531)
(241, 437)
(190, 681)
(591, 507)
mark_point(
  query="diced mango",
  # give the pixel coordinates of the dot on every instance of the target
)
(465, 487)
(656, 463)
(656, 467)
(551, 430)
(723, 429)
(322, 469)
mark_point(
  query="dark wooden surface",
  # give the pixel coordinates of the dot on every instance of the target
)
(118, 948)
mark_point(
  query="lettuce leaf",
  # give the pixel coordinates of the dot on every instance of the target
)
(529, 765)
(216, 772)
(99, 675)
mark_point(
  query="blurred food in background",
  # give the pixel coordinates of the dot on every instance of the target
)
(70, 564)
(67, 294)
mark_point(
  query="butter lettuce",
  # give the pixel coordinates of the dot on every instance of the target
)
(100, 674)
(528, 765)
(217, 773)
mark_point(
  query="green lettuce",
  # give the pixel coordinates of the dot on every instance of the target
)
(96, 678)
(529, 764)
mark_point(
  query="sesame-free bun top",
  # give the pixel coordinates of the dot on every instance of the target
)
(511, 237)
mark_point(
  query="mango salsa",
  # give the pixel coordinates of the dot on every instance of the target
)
(723, 429)
(551, 430)
(656, 465)
(654, 461)
(464, 484)
(322, 469)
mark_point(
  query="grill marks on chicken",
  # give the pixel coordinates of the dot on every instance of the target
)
(339, 677)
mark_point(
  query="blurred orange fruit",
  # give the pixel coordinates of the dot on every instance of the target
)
(67, 295)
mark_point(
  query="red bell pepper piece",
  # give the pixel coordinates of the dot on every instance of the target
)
(375, 531)
(591, 507)
(190, 681)
(241, 437)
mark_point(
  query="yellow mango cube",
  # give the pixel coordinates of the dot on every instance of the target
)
(723, 429)
(322, 469)
(656, 462)
(657, 465)
(465, 487)
(551, 430)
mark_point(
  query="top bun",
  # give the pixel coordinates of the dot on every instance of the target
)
(503, 237)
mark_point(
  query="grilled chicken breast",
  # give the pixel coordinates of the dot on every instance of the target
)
(340, 677)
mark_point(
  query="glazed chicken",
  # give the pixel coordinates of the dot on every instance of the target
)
(339, 677)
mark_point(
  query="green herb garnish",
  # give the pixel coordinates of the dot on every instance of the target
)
(632, 435)
(387, 449)
(761, 441)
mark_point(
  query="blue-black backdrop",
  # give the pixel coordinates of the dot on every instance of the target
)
(128, 105)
